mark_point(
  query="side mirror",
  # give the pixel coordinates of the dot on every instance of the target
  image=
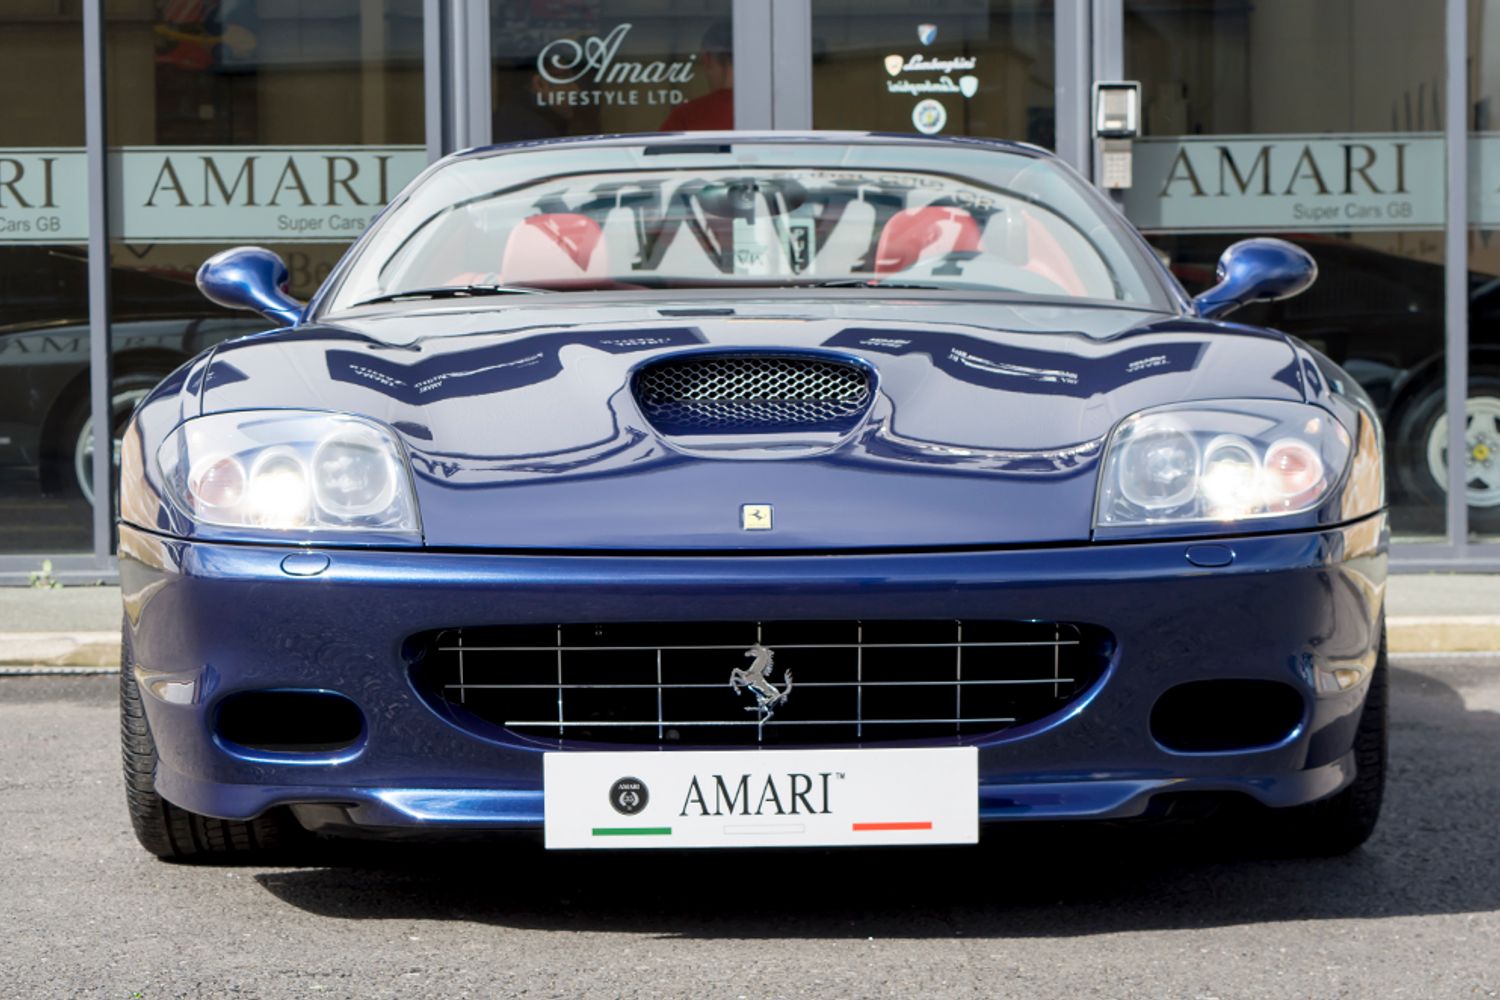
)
(1259, 270)
(250, 278)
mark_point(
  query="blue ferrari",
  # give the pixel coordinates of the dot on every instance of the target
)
(750, 490)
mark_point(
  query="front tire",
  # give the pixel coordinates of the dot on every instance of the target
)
(164, 829)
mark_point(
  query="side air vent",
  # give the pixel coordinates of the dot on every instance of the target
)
(290, 721)
(752, 393)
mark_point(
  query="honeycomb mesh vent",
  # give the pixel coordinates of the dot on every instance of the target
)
(750, 393)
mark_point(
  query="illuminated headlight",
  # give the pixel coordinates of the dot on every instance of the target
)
(289, 471)
(1222, 461)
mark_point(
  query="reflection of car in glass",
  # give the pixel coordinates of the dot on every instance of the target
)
(44, 357)
(889, 485)
(1380, 316)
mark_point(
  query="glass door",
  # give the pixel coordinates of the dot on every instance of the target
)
(979, 68)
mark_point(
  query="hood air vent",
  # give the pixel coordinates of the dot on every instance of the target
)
(752, 393)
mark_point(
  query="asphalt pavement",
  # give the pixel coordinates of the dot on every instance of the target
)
(1103, 911)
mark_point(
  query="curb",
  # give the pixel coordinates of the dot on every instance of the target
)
(36, 671)
(26, 651)
(1442, 633)
(60, 649)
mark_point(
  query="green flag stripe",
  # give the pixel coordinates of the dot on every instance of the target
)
(632, 831)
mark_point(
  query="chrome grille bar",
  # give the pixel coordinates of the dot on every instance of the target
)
(958, 677)
(1056, 667)
(800, 684)
(859, 680)
(614, 723)
(779, 645)
(760, 723)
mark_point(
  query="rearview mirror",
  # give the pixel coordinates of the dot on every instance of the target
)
(250, 278)
(1258, 270)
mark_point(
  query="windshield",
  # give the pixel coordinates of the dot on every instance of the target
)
(751, 214)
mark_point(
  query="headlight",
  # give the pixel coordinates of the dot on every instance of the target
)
(289, 471)
(1221, 461)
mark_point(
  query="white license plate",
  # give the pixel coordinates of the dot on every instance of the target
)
(761, 798)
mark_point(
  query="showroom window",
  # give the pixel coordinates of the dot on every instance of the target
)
(1321, 124)
(44, 334)
(1482, 403)
(287, 125)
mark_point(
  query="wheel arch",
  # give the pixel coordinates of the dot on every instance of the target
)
(1431, 371)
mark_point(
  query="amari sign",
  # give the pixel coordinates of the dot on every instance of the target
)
(43, 196)
(203, 194)
(591, 72)
(1296, 183)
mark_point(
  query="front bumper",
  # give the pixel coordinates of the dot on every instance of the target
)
(209, 620)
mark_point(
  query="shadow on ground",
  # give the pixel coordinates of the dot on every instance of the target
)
(1435, 852)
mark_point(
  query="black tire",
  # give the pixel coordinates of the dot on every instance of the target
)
(1410, 469)
(1345, 820)
(164, 829)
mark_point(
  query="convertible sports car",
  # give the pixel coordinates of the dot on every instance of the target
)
(739, 490)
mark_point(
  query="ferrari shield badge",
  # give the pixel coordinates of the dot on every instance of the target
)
(755, 516)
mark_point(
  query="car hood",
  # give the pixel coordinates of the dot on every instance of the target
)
(986, 428)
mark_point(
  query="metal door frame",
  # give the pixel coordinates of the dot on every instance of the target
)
(773, 55)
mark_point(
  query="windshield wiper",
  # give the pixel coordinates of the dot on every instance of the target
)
(874, 283)
(452, 292)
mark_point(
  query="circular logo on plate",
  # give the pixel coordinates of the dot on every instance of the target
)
(929, 116)
(628, 796)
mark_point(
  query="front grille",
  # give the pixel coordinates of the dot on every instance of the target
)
(730, 394)
(845, 682)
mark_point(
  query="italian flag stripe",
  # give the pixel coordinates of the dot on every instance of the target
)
(632, 831)
(873, 827)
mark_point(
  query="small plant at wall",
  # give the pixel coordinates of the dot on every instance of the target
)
(42, 579)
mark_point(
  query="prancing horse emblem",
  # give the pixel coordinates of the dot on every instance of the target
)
(758, 679)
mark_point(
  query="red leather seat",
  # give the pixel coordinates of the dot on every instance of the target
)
(918, 234)
(558, 246)
(1047, 258)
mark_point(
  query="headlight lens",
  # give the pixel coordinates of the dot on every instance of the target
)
(1159, 467)
(354, 472)
(1222, 461)
(288, 471)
